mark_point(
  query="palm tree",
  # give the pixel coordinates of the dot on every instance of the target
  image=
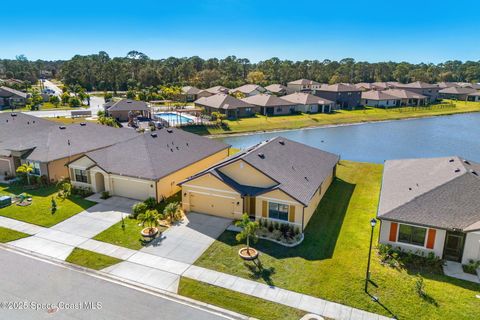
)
(249, 230)
(150, 219)
(25, 169)
(171, 210)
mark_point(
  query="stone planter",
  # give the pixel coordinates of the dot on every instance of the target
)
(250, 254)
(149, 233)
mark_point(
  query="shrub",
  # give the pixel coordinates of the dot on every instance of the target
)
(138, 208)
(472, 266)
(105, 195)
(151, 203)
(420, 286)
(53, 207)
(270, 226)
(65, 189)
(276, 225)
(418, 260)
(82, 192)
(172, 210)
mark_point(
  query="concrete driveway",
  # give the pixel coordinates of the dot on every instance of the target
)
(187, 241)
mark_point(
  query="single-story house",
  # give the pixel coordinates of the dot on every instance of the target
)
(270, 105)
(48, 146)
(217, 89)
(149, 165)
(126, 109)
(456, 93)
(345, 96)
(308, 103)
(11, 98)
(376, 98)
(419, 87)
(407, 97)
(303, 85)
(190, 94)
(228, 105)
(474, 96)
(278, 179)
(432, 206)
(248, 90)
(276, 89)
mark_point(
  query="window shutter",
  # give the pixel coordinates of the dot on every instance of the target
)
(264, 209)
(431, 238)
(291, 214)
(393, 231)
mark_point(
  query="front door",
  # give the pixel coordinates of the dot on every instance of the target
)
(453, 246)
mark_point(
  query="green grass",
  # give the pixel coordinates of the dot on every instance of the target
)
(91, 259)
(331, 261)
(262, 123)
(68, 120)
(39, 211)
(7, 235)
(244, 304)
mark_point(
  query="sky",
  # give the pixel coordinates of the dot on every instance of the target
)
(414, 31)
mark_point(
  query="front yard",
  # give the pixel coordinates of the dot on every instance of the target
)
(7, 235)
(90, 259)
(331, 261)
(39, 212)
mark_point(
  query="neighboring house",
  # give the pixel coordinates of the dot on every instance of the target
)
(344, 95)
(270, 105)
(276, 89)
(303, 85)
(365, 86)
(444, 85)
(126, 109)
(11, 98)
(426, 89)
(384, 85)
(217, 89)
(475, 86)
(230, 106)
(190, 94)
(48, 147)
(407, 98)
(308, 103)
(248, 90)
(149, 165)
(279, 180)
(475, 96)
(432, 206)
(456, 93)
(376, 98)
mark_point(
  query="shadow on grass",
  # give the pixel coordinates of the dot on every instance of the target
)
(259, 272)
(322, 231)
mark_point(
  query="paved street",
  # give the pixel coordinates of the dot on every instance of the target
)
(28, 279)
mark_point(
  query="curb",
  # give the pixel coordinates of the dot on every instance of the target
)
(130, 284)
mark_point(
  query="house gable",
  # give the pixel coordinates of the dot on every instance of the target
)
(245, 174)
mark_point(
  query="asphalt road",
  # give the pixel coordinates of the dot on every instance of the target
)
(51, 288)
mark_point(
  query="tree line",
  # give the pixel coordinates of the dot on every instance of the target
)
(137, 71)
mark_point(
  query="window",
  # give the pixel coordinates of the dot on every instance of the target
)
(248, 110)
(278, 211)
(279, 109)
(36, 168)
(81, 175)
(412, 235)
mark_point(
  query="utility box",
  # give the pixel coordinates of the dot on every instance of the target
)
(5, 201)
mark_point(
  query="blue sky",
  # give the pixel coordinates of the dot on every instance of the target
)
(414, 31)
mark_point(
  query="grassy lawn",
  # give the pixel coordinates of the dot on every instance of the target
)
(244, 304)
(91, 259)
(7, 235)
(39, 211)
(331, 261)
(262, 123)
(68, 120)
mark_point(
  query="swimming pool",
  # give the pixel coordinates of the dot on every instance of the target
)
(173, 118)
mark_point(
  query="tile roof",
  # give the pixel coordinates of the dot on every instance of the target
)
(267, 100)
(378, 95)
(434, 192)
(218, 89)
(298, 169)
(190, 90)
(457, 90)
(304, 82)
(222, 101)
(276, 88)
(156, 154)
(248, 88)
(127, 105)
(404, 94)
(417, 85)
(305, 98)
(339, 87)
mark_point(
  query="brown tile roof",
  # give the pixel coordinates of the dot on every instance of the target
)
(378, 95)
(417, 85)
(306, 98)
(404, 94)
(222, 101)
(457, 90)
(248, 88)
(267, 100)
(217, 89)
(276, 88)
(304, 82)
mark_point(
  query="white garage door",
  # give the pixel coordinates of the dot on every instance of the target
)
(4, 167)
(212, 204)
(139, 190)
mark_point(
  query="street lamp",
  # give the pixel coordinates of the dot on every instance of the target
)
(373, 222)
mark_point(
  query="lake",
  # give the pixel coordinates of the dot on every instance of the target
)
(379, 141)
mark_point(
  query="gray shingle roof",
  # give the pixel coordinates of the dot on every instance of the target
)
(222, 101)
(417, 85)
(304, 82)
(305, 98)
(190, 90)
(217, 89)
(248, 88)
(267, 100)
(6, 92)
(434, 192)
(340, 87)
(378, 95)
(149, 157)
(457, 90)
(128, 105)
(404, 94)
(298, 169)
(276, 88)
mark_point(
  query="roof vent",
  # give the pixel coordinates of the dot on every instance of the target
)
(474, 172)
(33, 121)
(451, 160)
(261, 155)
(281, 142)
(153, 134)
(169, 130)
(410, 189)
(306, 178)
(187, 144)
(28, 122)
(457, 170)
(13, 114)
(466, 162)
(177, 148)
(62, 127)
(83, 124)
(171, 149)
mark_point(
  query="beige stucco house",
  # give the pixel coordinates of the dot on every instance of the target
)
(149, 165)
(279, 180)
(432, 206)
